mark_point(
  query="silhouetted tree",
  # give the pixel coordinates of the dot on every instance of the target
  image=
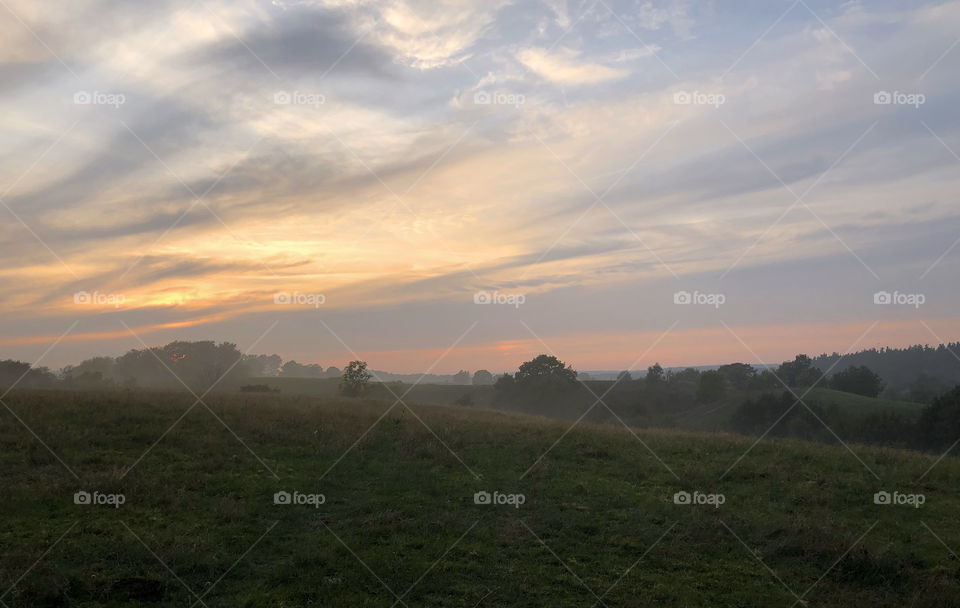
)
(712, 386)
(199, 365)
(545, 367)
(799, 372)
(292, 369)
(263, 365)
(355, 380)
(11, 371)
(739, 375)
(686, 379)
(624, 376)
(939, 425)
(544, 385)
(461, 377)
(482, 377)
(859, 380)
(765, 381)
(778, 417)
(926, 388)
(900, 367)
(655, 375)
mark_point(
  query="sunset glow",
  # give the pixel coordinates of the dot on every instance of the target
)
(358, 173)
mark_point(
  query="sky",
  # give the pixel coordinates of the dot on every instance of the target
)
(444, 185)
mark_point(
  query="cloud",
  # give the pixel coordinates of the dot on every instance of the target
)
(423, 34)
(564, 67)
(499, 194)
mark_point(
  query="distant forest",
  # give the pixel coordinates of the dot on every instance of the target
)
(915, 373)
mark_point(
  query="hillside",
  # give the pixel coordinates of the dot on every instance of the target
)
(399, 524)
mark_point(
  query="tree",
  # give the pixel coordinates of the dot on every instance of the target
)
(355, 380)
(939, 424)
(200, 365)
(925, 388)
(545, 367)
(799, 372)
(542, 385)
(482, 377)
(655, 375)
(778, 417)
(686, 378)
(263, 365)
(711, 386)
(624, 376)
(292, 369)
(765, 380)
(738, 375)
(859, 380)
(12, 371)
(332, 372)
(461, 377)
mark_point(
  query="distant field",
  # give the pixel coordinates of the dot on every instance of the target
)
(707, 417)
(860, 405)
(399, 524)
(441, 394)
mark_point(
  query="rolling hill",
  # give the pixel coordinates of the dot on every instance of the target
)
(404, 518)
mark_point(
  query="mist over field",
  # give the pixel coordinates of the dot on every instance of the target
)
(504, 303)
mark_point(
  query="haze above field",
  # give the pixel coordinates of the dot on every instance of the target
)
(462, 185)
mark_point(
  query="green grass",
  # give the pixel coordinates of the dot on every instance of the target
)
(400, 512)
(439, 394)
(861, 406)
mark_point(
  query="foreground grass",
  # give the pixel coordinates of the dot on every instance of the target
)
(400, 527)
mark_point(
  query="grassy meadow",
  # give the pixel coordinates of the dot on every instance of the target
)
(399, 525)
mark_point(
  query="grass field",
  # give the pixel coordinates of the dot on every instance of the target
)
(399, 525)
(859, 405)
(439, 394)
